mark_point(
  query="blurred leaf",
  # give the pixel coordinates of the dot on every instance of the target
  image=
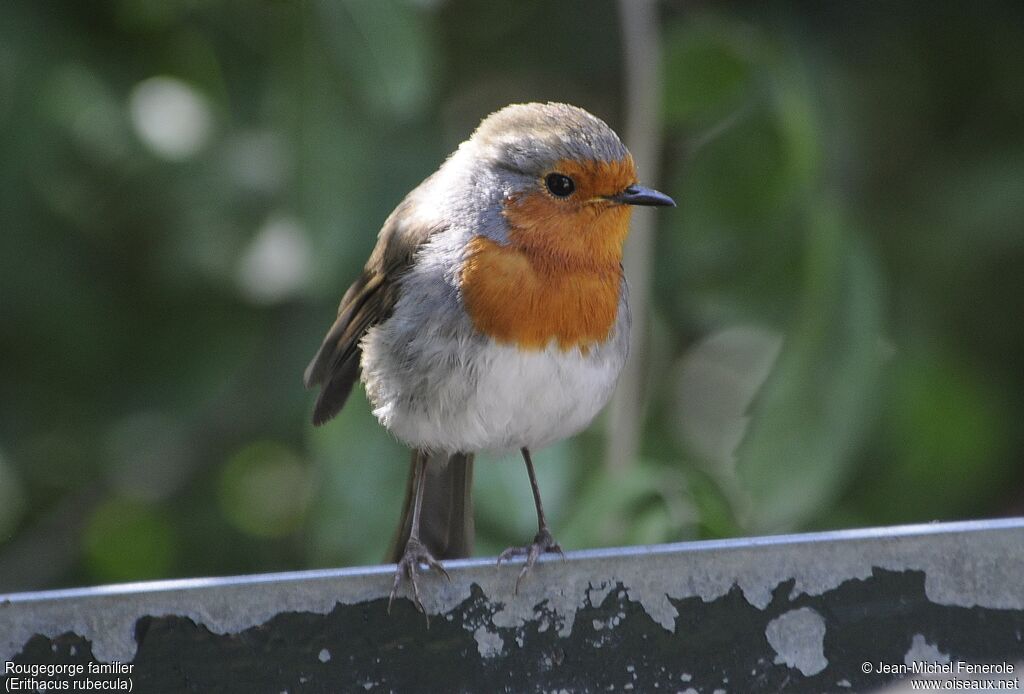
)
(148, 456)
(943, 437)
(736, 252)
(716, 381)
(125, 541)
(362, 474)
(795, 103)
(82, 105)
(646, 505)
(709, 69)
(265, 490)
(714, 505)
(503, 503)
(384, 48)
(808, 419)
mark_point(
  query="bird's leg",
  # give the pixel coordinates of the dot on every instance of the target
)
(416, 552)
(542, 541)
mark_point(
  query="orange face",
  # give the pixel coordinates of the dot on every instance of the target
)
(581, 230)
(560, 276)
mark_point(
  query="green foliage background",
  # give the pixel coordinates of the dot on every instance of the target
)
(188, 186)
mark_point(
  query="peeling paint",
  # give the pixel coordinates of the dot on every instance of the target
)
(489, 643)
(922, 651)
(798, 637)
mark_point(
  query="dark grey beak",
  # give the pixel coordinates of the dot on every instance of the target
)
(638, 195)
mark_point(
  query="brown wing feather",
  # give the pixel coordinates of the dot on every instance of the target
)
(368, 302)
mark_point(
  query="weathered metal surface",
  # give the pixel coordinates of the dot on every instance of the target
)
(800, 613)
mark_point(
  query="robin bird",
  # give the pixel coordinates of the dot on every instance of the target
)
(492, 315)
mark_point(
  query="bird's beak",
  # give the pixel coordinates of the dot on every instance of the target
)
(638, 195)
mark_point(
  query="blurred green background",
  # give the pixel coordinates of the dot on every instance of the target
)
(188, 186)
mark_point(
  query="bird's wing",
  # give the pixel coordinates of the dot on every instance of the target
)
(368, 302)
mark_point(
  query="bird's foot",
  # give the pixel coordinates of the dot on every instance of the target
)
(415, 554)
(542, 543)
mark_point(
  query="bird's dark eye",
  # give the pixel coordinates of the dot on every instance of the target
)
(560, 185)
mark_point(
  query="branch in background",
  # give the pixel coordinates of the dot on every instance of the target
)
(642, 56)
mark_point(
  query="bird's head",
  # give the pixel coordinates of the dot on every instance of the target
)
(570, 182)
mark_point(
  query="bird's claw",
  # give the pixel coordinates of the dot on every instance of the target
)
(415, 554)
(542, 543)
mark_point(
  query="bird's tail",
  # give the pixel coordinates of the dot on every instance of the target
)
(446, 518)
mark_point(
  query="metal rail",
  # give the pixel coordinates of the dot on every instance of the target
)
(821, 612)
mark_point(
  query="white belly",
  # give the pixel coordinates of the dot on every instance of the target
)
(518, 399)
(490, 397)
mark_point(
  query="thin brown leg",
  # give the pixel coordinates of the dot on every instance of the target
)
(415, 552)
(542, 541)
(542, 521)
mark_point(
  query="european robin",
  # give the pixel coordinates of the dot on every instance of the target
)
(492, 314)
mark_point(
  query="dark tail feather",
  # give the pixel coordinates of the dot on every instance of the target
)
(446, 521)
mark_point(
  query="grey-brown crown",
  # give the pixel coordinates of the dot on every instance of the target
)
(530, 138)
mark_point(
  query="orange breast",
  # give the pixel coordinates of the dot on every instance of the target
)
(517, 301)
(559, 277)
(520, 297)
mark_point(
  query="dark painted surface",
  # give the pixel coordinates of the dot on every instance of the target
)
(613, 646)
